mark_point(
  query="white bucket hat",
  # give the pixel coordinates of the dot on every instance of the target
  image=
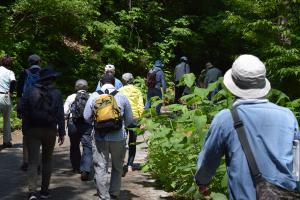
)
(247, 78)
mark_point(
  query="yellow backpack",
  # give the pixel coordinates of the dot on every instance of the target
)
(107, 114)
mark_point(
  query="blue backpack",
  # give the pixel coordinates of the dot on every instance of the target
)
(30, 80)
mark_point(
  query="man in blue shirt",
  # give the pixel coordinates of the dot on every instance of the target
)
(270, 130)
(113, 142)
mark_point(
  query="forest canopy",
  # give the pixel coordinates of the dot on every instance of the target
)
(79, 37)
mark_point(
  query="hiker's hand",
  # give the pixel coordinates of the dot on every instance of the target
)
(61, 140)
(204, 191)
(142, 126)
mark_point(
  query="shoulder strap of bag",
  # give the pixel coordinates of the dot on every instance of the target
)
(113, 93)
(100, 92)
(239, 127)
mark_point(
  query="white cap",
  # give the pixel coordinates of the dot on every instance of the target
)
(127, 77)
(109, 67)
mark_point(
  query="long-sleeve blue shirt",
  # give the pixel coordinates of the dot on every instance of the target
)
(270, 130)
(126, 113)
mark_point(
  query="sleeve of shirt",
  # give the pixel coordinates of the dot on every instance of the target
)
(12, 76)
(163, 81)
(67, 105)
(98, 86)
(210, 155)
(118, 84)
(88, 110)
(140, 103)
(60, 115)
(128, 116)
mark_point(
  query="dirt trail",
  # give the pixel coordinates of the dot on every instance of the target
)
(65, 185)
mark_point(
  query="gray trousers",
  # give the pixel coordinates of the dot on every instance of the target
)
(34, 138)
(108, 185)
(5, 109)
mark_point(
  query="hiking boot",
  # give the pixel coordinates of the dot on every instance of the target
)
(130, 169)
(76, 171)
(114, 197)
(44, 194)
(7, 145)
(32, 196)
(84, 176)
(24, 167)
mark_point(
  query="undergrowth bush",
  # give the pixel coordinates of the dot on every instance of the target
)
(177, 137)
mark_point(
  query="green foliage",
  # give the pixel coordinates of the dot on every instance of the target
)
(176, 141)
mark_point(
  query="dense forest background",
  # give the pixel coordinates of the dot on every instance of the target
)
(79, 37)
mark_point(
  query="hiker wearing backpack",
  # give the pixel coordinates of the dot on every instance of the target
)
(26, 79)
(43, 116)
(135, 98)
(110, 112)
(182, 68)
(255, 137)
(212, 75)
(156, 83)
(7, 84)
(79, 131)
(110, 69)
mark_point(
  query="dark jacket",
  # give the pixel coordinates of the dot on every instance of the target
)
(28, 103)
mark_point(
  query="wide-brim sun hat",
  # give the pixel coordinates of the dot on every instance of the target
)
(247, 78)
(47, 73)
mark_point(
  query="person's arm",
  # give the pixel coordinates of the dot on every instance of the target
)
(68, 104)
(98, 86)
(12, 86)
(212, 152)
(163, 82)
(118, 84)
(140, 103)
(88, 109)
(128, 117)
(60, 116)
(20, 84)
(12, 83)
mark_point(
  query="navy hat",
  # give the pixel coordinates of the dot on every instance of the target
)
(33, 59)
(158, 63)
(47, 73)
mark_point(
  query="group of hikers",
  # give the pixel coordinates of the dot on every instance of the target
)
(255, 136)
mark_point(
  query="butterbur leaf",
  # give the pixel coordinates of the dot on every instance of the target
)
(188, 79)
(218, 196)
(202, 92)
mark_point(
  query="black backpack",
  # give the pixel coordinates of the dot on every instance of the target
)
(78, 106)
(43, 109)
(151, 79)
